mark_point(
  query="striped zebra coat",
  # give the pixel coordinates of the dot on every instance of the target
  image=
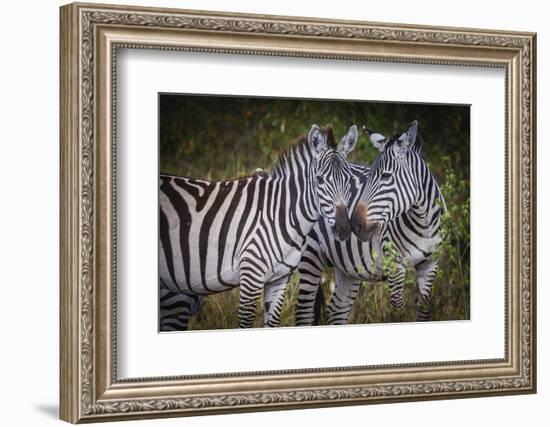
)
(401, 185)
(249, 232)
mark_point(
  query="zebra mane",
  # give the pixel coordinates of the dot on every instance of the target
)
(284, 162)
(300, 148)
(417, 146)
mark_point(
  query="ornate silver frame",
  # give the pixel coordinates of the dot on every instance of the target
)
(90, 36)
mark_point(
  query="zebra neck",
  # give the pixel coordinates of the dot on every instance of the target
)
(293, 178)
(293, 207)
(427, 211)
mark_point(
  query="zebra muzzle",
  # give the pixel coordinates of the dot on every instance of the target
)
(361, 226)
(342, 226)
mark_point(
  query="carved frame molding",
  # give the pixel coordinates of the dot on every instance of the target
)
(90, 37)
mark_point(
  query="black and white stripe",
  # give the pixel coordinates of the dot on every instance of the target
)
(399, 202)
(249, 232)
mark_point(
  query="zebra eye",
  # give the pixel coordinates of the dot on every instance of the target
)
(320, 179)
(386, 175)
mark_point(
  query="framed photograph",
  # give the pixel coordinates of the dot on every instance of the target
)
(266, 212)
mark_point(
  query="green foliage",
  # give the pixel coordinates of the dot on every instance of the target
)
(226, 137)
(452, 284)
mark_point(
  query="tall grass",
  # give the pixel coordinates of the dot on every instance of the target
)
(219, 311)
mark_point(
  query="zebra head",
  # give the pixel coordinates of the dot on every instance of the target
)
(392, 185)
(332, 176)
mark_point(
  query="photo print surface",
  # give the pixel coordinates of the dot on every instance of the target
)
(301, 212)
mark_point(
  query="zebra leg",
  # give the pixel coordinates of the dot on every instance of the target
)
(252, 279)
(396, 282)
(342, 299)
(249, 295)
(176, 308)
(425, 276)
(311, 275)
(273, 301)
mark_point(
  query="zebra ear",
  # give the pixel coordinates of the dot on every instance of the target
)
(407, 139)
(377, 139)
(347, 143)
(316, 141)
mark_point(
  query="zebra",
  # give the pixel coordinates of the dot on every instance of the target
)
(249, 232)
(398, 201)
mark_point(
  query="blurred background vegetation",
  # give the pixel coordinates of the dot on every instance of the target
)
(217, 138)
